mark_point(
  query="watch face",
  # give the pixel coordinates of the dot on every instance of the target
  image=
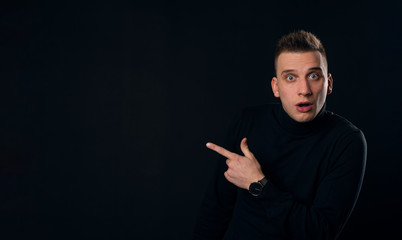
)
(255, 189)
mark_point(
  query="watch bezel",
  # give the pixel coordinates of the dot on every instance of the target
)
(255, 189)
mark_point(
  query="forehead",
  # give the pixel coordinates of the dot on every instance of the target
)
(300, 61)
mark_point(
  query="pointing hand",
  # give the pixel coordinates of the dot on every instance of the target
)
(242, 170)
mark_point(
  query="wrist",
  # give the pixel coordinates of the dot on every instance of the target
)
(256, 188)
(257, 178)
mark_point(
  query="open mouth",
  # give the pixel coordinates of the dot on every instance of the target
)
(304, 106)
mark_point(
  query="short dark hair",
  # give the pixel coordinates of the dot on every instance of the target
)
(299, 41)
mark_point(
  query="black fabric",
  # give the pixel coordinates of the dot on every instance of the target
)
(314, 169)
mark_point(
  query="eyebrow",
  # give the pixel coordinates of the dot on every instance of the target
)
(315, 68)
(292, 70)
(286, 71)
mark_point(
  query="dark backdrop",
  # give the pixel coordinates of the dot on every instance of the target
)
(106, 107)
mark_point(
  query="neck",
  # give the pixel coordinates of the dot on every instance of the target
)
(299, 128)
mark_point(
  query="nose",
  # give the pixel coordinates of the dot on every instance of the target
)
(304, 88)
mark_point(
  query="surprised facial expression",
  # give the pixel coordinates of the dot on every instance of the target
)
(302, 83)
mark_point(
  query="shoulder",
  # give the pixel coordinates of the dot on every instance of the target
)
(341, 122)
(347, 132)
(259, 110)
(252, 117)
(347, 144)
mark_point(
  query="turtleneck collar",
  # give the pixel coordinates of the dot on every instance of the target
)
(299, 128)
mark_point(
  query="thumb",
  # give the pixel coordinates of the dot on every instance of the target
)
(244, 148)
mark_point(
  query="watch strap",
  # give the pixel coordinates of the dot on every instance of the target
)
(263, 181)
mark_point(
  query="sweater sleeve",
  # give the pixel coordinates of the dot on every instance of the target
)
(335, 197)
(218, 203)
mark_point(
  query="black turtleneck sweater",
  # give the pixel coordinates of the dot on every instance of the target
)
(314, 170)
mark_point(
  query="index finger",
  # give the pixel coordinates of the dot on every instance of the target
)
(222, 151)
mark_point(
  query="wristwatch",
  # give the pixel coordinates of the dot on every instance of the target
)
(256, 188)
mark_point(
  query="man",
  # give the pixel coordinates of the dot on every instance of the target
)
(303, 166)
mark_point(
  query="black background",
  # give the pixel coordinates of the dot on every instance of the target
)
(106, 107)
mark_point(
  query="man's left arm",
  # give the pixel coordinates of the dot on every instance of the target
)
(335, 197)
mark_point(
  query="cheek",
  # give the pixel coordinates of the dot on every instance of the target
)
(320, 88)
(287, 91)
(285, 98)
(321, 93)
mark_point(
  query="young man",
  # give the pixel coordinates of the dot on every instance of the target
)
(301, 167)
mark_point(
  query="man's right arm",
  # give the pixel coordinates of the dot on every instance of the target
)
(217, 207)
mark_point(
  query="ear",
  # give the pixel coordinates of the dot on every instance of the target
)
(330, 84)
(274, 86)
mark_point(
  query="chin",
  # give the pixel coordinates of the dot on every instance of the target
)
(304, 118)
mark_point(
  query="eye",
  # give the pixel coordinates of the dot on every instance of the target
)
(290, 77)
(314, 76)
